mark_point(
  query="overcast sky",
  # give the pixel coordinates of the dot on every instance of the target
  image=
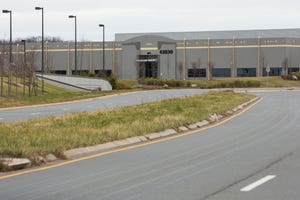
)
(131, 16)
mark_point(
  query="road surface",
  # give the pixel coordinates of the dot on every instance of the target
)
(128, 99)
(254, 156)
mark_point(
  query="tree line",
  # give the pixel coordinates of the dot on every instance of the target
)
(33, 39)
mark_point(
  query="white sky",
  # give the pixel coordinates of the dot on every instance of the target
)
(131, 16)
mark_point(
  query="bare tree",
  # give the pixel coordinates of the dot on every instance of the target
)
(34, 39)
(285, 63)
(210, 70)
(3, 63)
(194, 68)
(81, 56)
(180, 68)
(49, 62)
(16, 69)
(30, 69)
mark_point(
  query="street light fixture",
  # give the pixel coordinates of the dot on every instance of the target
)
(10, 34)
(10, 53)
(103, 47)
(42, 70)
(74, 16)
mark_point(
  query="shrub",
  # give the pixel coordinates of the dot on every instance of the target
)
(123, 85)
(188, 84)
(91, 74)
(162, 82)
(297, 74)
(253, 83)
(101, 74)
(284, 77)
(290, 76)
(117, 84)
(203, 85)
(172, 83)
(113, 81)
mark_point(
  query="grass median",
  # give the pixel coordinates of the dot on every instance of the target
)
(57, 134)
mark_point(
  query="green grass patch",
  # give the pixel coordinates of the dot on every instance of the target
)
(52, 94)
(57, 134)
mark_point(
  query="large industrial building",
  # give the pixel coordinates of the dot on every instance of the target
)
(180, 55)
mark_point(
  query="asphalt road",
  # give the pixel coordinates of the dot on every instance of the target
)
(259, 151)
(127, 99)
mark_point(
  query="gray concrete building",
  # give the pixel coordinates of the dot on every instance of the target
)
(179, 55)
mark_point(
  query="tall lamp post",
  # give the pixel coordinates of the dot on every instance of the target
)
(10, 51)
(74, 16)
(24, 68)
(10, 34)
(42, 70)
(103, 47)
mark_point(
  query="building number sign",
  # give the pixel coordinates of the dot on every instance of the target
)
(166, 51)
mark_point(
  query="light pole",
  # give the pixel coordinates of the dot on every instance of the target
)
(24, 68)
(103, 47)
(10, 34)
(10, 50)
(42, 70)
(74, 16)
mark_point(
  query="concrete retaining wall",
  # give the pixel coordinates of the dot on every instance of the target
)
(78, 83)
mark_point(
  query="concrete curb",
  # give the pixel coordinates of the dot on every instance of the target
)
(84, 151)
(15, 163)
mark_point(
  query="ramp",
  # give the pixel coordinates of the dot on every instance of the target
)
(77, 83)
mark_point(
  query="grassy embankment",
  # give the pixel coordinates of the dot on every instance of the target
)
(52, 94)
(56, 134)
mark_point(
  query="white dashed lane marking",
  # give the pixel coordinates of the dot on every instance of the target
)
(36, 113)
(258, 183)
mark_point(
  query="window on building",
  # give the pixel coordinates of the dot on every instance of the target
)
(246, 72)
(293, 69)
(221, 72)
(196, 73)
(274, 71)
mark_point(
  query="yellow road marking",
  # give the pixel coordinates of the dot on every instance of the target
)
(132, 147)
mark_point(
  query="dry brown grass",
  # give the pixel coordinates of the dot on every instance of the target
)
(56, 134)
